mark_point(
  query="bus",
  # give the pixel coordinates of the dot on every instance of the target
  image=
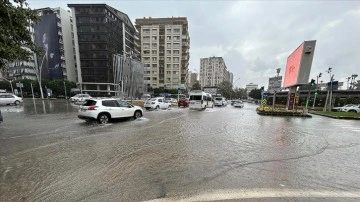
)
(200, 100)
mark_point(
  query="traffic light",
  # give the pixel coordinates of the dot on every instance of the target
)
(316, 92)
(312, 83)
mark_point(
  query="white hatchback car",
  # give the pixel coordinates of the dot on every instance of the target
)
(80, 97)
(103, 110)
(8, 98)
(157, 103)
(239, 104)
(220, 101)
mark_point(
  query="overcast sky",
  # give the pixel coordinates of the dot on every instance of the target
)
(256, 37)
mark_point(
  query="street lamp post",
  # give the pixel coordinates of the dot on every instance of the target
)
(65, 90)
(328, 91)
(317, 83)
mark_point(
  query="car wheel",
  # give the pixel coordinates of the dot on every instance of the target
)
(103, 118)
(157, 107)
(137, 114)
(353, 111)
(169, 107)
(17, 102)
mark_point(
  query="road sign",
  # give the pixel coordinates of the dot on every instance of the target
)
(20, 85)
(335, 85)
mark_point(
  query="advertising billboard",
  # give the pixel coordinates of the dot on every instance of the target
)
(47, 39)
(298, 65)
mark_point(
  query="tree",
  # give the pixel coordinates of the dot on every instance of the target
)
(240, 93)
(15, 37)
(225, 88)
(255, 94)
(196, 86)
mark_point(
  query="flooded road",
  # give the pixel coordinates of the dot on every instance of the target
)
(48, 154)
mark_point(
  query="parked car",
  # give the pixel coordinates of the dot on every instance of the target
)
(184, 102)
(220, 101)
(80, 97)
(8, 98)
(103, 110)
(353, 108)
(239, 104)
(232, 102)
(341, 108)
(157, 103)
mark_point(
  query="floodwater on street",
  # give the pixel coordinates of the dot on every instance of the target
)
(224, 153)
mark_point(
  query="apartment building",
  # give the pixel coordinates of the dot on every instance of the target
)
(250, 87)
(53, 34)
(213, 71)
(192, 78)
(164, 46)
(103, 35)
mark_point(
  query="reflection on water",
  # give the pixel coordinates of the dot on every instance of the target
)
(31, 106)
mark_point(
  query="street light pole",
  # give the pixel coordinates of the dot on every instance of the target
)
(317, 83)
(65, 90)
(328, 91)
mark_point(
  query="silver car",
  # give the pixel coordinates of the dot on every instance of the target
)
(6, 99)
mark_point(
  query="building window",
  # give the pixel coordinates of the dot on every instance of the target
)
(154, 31)
(154, 52)
(168, 45)
(154, 45)
(146, 45)
(146, 58)
(175, 72)
(154, 59)
(176, 38)
(176, 45)
(168, 59)
(176, 66)
(146, 38)
(168, 30)
(154, 65)
(146, 52)
(176, 30)
(168, 37)
(168, 65)
(176, 59)
(146, 31)
(168, 52)
(154, 38)
(176, 52)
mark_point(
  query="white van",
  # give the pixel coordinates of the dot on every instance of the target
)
(200, 100)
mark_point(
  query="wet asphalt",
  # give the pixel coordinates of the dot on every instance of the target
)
(48, 154)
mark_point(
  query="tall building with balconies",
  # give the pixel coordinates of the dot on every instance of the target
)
(103, 32)
(213, 71)
(165, 45)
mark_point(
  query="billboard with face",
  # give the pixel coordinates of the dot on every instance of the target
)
(298, 65)
(47, 39)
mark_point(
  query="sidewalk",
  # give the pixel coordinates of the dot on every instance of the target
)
(338, 115)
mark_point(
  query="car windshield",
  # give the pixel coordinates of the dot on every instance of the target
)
(153, 99)
(218, 98)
